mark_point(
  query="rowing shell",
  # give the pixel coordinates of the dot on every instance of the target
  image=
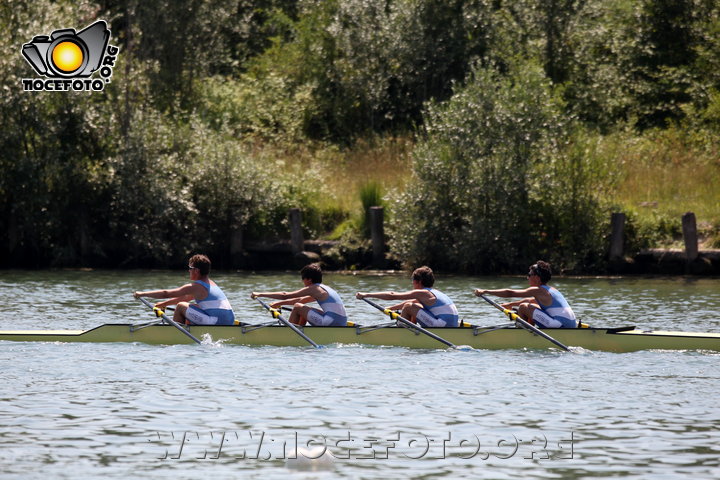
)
(625, 339)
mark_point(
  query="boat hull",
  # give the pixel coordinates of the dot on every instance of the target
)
(612, 340)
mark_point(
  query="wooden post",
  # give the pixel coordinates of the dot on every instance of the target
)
(689, 227)
(377, 234)
(617, 237)
(297, 242)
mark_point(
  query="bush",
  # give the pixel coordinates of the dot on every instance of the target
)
(570, 206)
(495, 182)
(650, 230)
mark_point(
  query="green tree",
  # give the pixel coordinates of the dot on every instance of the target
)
(637, 61)
(536, 29)
(108, 178)
(667, 37)
(51, 187)
(493, 180)
(181, 41)
(371, 64)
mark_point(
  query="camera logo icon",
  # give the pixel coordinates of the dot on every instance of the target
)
(65, 55)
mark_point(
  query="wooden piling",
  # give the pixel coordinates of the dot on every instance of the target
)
(297, 242)
(690, 235)
(617, 237)
(377, 234)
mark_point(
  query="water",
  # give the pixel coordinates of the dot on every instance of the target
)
(140, 411)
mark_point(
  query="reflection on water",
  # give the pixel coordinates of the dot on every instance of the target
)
(139, 411)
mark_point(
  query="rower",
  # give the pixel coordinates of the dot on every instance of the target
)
(423, 304)
(541, 304)
(211, 306)
(332, 310)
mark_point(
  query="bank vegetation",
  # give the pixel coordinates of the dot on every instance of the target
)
(495, 132)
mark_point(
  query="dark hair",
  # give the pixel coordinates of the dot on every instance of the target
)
(313, 272)
(424, 275)
(542, 269)
(201, 262)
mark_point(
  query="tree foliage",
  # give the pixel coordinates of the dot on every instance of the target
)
(495, 185)
(370, 65)
(505, 97)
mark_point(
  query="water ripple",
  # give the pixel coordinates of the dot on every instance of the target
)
(125, 410)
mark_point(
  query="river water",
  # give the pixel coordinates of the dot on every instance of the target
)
(224, 412)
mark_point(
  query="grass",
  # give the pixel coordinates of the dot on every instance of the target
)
(660, 175)
(341, 177)
(342, 173)
(663, 175)
(385, 162)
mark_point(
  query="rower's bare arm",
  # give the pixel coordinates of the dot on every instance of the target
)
(292, 301)
(422, 296)
(303, 292)
(174, 301)
(183, 291)
(507, 292)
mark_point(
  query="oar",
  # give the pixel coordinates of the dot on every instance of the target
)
(404, 321)
(276, 314)
(160, 313)
(518, 320)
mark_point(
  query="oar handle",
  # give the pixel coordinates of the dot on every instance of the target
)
(405, 321)
(390, 313)
(276, 314)
(160, 313)
(520, 321)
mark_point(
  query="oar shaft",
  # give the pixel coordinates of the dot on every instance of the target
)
(537, 331)
(276, 314)
(169, 320)
(520, 321)
(404, 321)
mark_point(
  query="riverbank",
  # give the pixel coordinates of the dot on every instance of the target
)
(672, 262)
(279, 256)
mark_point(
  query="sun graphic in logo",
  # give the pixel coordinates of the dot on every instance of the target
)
(67, 56)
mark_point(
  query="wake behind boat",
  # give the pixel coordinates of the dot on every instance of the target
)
(625, 339)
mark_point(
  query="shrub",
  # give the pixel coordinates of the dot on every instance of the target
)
(495, 182)
(651, 230)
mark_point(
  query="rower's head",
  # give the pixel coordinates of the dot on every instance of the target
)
(200, 264)
(424, 276)
(312, 273)
(540, 271)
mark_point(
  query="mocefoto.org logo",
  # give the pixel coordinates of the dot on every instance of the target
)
(67, 59)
